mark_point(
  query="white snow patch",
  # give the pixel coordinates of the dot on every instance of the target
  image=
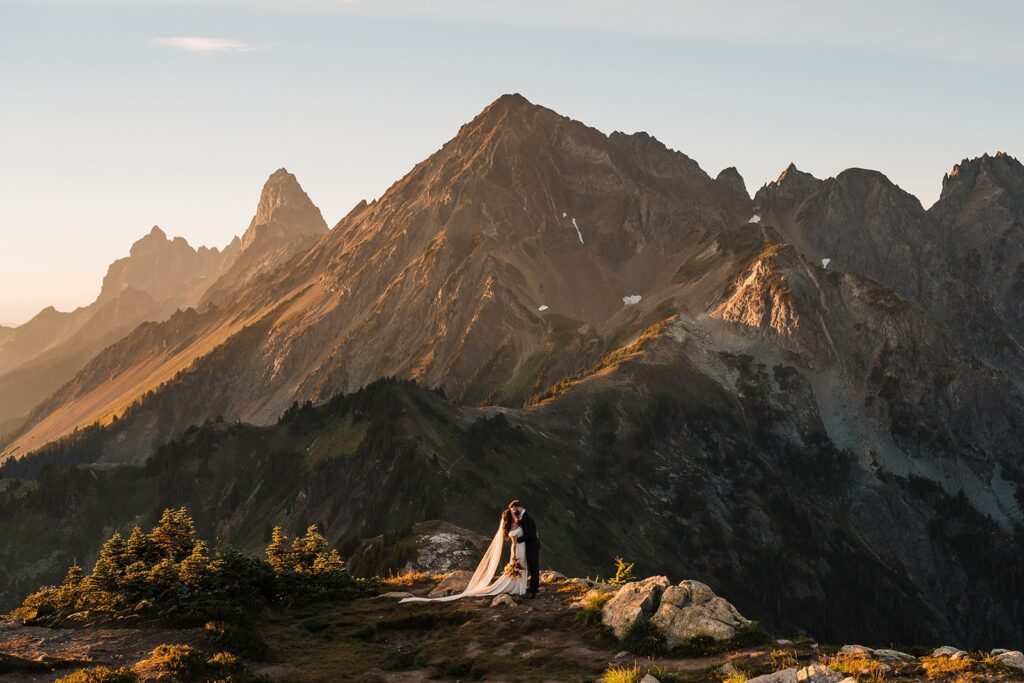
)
(631, 299)
(578, 233)
(754, 219)
(542, 308)
(825, 262)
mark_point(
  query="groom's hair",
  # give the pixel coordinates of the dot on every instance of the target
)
(514, 504)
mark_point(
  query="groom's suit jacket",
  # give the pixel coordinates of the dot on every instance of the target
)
(529, 536)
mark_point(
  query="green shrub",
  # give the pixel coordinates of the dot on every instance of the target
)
(643, 638)
(100, 674)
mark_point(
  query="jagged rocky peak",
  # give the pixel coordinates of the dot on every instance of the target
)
(792, 187)
(985, 173)
(284, 211)
(731, 178)
(162, 267)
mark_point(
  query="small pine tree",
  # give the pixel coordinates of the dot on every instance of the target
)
(623, 572)
(139, 548)
(73, 578)
(279, 555)
(110, 566)
(307, 549)
(175, 536)
(194, 570)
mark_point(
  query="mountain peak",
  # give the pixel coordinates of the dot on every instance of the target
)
(999, 171)
(157, 232)
(792, 186)
(284, 209)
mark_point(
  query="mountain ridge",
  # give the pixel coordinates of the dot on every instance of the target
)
(813, 376)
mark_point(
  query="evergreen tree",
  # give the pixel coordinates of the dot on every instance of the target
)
(279, 555)
(175, 536)
(307, 549)
(110, 566)
(140, 548)
(194, 570)
(73, 578)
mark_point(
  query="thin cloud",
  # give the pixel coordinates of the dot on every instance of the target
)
(205, 44)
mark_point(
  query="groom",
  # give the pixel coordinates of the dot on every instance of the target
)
(529, 537)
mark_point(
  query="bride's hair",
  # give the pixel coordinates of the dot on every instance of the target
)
(507, 520)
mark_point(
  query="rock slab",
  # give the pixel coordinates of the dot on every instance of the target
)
(452, 584)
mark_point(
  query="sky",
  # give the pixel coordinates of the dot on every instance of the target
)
(117, 115)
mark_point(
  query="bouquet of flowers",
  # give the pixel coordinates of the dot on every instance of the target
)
(513, 569)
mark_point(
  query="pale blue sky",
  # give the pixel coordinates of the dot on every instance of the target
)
(118, 115)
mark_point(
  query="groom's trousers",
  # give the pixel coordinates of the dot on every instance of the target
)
(533, 565)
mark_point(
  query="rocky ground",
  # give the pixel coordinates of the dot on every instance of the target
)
(574, 631)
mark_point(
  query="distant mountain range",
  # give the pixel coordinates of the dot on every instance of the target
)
(810, 399)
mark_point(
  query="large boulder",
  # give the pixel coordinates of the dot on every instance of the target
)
(692, 609)
(1013, 659)
(634, 600)
(452, 584)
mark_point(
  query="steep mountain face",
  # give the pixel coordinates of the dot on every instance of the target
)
(442, 279)
(159, 277)
(155, 279)
(682, 377)
(981, 210)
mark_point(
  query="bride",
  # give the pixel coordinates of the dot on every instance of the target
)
(513, 577)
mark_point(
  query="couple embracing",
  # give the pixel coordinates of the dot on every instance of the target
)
(521, 576)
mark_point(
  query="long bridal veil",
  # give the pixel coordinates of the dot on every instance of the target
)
(483, 576)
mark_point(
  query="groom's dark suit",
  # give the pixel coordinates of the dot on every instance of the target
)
(529, 537)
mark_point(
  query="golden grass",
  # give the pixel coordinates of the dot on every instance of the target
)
(941, 667)
(408, 579)
(855, 664)
(735, 677)
(595, 601)
(783, 659)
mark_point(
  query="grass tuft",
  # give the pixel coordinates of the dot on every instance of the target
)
(644, 638)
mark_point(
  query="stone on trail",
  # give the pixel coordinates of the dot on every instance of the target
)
(396, 595)
(503, 599)
(649, 679)
(632, 601)
(551, 576)
(856, 650)
(815, 673)
(892, 655)
(945, 651)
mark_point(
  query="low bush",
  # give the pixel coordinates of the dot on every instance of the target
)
(100, 674)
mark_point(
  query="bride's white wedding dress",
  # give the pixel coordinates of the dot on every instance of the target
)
(483, 583)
